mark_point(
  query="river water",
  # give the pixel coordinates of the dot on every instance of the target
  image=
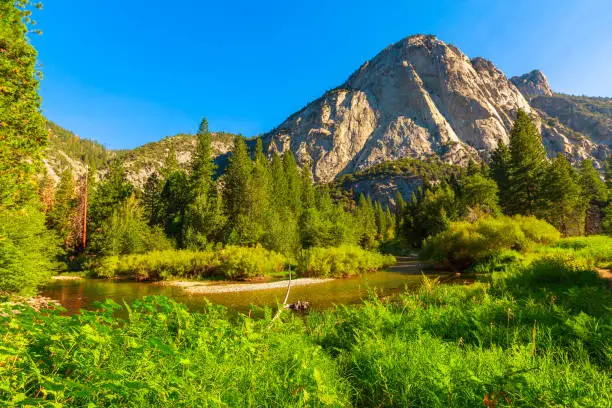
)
(82, 294)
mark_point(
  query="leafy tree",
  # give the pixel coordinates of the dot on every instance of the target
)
(527, 166)
(27, 250)
(23, 134)
(108, 196)
(479, 195)
(127, 232)
(565, 203)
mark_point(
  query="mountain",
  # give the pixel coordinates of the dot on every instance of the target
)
(418, 98)
(532, 84)
(590, 116)
(67, 151)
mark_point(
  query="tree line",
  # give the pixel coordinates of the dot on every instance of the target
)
(518, 180)
(259, 200)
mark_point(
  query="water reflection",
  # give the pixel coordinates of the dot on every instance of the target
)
(81, 294)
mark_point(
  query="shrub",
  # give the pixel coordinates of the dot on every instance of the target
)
(230, 262)
(345, 260)
(463, 242)
(27, 250)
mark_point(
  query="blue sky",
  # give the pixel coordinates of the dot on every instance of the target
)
(130, 72)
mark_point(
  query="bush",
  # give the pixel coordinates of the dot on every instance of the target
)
(230, 262)
(463, 243)
(345, 260)
(27, 250)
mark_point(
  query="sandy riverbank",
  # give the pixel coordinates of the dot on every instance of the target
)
(216, 287)
(66, 277)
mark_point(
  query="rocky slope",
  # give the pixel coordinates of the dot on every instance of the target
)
(418, 98)
(67, 151)
(590, 116)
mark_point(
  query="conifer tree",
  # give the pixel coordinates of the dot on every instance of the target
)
(279, 182)
(596, 195)
(61, 215)
(151, 199)
(564, 205)
(202, 164)
(499, 170)
(237, 193)
(366, 220)
(292, 176)
(527, 166)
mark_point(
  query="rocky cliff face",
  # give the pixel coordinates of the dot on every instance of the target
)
(417, 98)
(532, 84)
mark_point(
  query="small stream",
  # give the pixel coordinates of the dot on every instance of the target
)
(82, 294)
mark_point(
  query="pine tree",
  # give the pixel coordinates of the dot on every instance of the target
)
(527, 166)
(366, 220)
(61, 214)
(499, 170)
(292, 176)
(596, 195)
(307, 188)
(151, 199)
(237, 195)
(279, 182)
(564, 204)
(202, 165)
(204, 218)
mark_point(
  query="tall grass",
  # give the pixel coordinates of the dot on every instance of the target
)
(341, 261)
(535, 334)
(231, 262)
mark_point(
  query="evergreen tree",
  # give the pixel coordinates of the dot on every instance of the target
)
(237, 195)
(279, 182)
(151, 200)
(366, 220)
(171, 163)
(204, 217)
(202, 165)
(292, 176)
(527, 166)
(596, 195)
(307, 188)
(499, 170)
(562, 196)
(62, 212)
(175, 197)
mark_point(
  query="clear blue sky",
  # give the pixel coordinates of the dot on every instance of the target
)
(130, 72)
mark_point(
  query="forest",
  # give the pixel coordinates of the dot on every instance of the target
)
(531, 327)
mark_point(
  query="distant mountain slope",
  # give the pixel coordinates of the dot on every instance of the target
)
(590, 116)
(68, 151)
(418, 98)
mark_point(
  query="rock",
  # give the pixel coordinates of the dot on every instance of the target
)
(532, 84)
(418, 98)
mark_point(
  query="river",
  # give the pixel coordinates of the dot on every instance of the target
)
(82, 294)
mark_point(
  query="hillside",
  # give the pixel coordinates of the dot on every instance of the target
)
(590, 116)
(69, 151)
(418, 98)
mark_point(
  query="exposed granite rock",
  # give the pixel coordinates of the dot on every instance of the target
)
(532, 84)
(417, 98)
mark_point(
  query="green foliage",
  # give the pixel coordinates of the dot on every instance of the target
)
(231, 262)
(463, 243)
(126, 232)
(341, 261)
(90, 152)
(23, 135)
(527, 166)
(537, 334)
(26, 250)
(562, 200)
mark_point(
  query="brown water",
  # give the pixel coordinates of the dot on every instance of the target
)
(81, 294)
